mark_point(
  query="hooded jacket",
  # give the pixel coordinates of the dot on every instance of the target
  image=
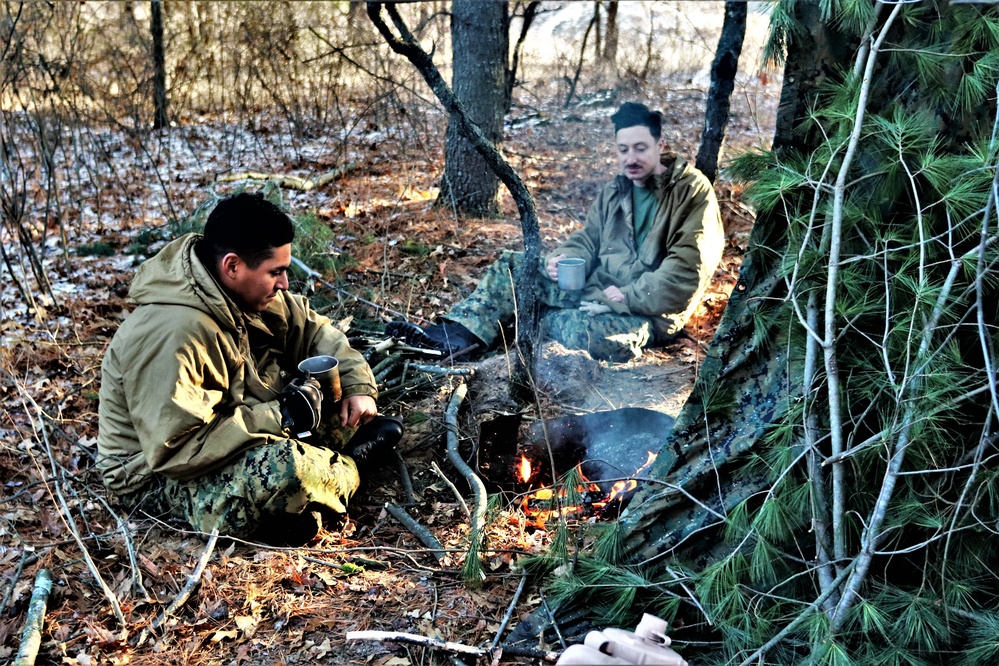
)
(190, 380)
(665, 277)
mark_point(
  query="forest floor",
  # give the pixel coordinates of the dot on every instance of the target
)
(262, 605)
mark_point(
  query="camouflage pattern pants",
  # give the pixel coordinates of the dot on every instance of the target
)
(607, 336)
(265, 482)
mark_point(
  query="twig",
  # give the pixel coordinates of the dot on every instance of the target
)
(192, 581)
(478, 516)
(438, 370)
(31, 639)
(551, 617)
(416, 639)
(461, 500)
(407, 481)
(419, 531)
(509, 611)
(340, 290)
(374, 565)
(473, 574)
(66, 513)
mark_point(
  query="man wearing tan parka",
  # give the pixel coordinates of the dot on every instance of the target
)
(649, 246)
(203, 412)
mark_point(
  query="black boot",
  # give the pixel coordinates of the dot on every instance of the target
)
(289, 529)
(448, 336)
(373, 440)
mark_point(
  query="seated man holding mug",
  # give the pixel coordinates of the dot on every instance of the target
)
(635, 271)
(206, 415)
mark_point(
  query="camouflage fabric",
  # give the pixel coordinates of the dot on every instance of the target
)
(264, 483)
(610, 336)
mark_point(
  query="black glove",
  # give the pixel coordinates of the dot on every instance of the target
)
(301, 402)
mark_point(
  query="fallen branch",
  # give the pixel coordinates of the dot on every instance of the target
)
(192, 582)
(407, 481)
(473, 574)
(56, 491)
(461, 500)
(31, 638)
(448, 646)
(509, 611)
(419, 531)
(438, 370)
(454, 457)
(291, 182)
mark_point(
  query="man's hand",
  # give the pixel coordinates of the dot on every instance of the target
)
(301, 405)
(593, 308)
(357, 410)
(615, 295)
(552, 266)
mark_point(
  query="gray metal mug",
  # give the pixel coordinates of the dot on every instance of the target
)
(325, 370)
(571, 274)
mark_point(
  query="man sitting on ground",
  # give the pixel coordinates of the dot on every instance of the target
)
(650, 244)
(202, 410)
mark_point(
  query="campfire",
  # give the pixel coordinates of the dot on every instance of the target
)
(596, 459)
(576, 497)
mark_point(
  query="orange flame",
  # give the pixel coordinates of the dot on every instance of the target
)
(525, 469)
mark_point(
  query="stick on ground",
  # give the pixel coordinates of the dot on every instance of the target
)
(31, 639)
(192, 582)
(419, 531)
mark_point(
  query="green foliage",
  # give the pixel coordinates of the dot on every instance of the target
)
(917, 473)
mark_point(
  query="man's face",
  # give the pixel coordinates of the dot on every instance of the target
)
(638, 153)
(254, 288)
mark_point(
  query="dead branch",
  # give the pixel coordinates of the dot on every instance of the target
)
(509, 611)
(416, 639)
(404, 478)
(291, 182)
(461, 500)
(63, 507)
(192, 582)
(454, 457)
(419, 531)
(438, 370)
(405, 44)
(459, 648)
(31, 639)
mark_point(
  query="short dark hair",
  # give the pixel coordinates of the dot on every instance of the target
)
(248, 225)
(632, 113)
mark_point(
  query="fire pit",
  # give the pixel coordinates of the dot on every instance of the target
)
(606, 449)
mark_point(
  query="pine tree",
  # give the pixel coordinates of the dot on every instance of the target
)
(835, 499)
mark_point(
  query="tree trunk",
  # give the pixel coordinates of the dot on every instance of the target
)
(528, 320)
(834, 468)
(723, 71)
(529, 14)
(610, 35)
(161, 119)
(480, 42)
(597, 32)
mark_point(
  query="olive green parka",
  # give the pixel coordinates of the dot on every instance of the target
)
(190, 380)
(666, 276)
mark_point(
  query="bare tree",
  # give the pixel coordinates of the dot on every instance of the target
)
(160, 119)
(480, 43)
(527, 302)
(723, 71)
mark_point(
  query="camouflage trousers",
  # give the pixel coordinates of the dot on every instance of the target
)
(607, 336)
(262, 484)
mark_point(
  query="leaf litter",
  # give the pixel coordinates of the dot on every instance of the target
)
(257, 605)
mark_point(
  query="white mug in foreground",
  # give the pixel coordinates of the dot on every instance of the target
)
(324, 369)
(571, 274)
